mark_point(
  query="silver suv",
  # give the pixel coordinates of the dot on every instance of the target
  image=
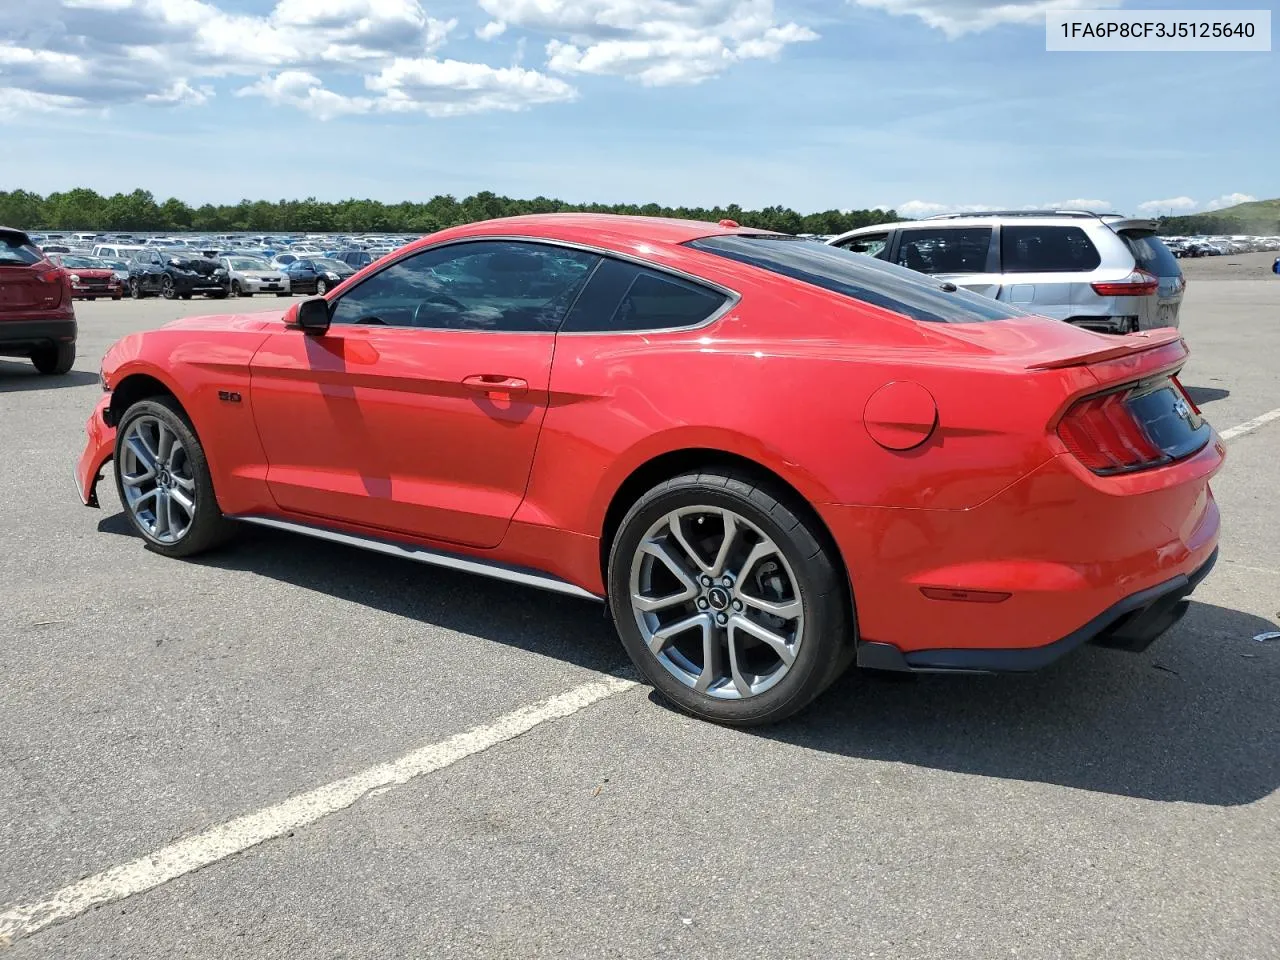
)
(1100, 271)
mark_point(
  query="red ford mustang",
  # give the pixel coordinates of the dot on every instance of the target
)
(772, 457)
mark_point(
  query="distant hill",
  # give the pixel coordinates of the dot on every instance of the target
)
(1256, 217)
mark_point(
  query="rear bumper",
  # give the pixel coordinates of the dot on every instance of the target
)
(200, 284)
(100, 442)
(1056, 559)
(22, 336)
(1133, 624)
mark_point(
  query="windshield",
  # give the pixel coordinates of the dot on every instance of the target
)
(247, 263)
(858, 276)
(83, 263)
(337, 266)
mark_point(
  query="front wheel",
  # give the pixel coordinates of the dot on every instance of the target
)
(236, 289)
(167, 289)
(163, 480)
(321, 288)
(729, 599)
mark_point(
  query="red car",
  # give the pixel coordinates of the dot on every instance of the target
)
(90, 277)
(37, 317)
(771, 457)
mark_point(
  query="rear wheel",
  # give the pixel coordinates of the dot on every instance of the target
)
(55, 359)
(135, 288)
(163, 480)
(727, 597)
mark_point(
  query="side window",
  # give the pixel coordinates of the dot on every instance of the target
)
(480, 285)
(625, 296)
(872, 244)
(945, 250)
(1047, 250)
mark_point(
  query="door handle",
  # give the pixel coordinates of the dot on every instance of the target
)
(492, 383)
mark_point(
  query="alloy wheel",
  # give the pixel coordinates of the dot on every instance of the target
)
(155, 474)
(166, 287)
(716, 602)
(321, 288)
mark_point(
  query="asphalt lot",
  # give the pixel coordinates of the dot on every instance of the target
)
(1116, 805)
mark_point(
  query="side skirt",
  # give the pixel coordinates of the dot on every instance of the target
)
(438, 558)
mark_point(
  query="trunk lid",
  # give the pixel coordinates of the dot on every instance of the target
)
(27, 280)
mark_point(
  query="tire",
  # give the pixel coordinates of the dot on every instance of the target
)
(217, 295)
(236, 291)
(117, 296)
(55, 360)
(794, 558)
(321, 288)
(135, 288)
(185, 473)
(167, 289)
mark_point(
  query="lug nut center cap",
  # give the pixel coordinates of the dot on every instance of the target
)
(718, 598)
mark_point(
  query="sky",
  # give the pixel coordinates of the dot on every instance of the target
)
(924, 106)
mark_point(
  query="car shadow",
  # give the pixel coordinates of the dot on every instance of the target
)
(538, 621)
(18, 375)
(1202, 395)
(1193, 719)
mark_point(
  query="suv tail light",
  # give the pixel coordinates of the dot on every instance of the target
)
(1135, 427)
(1137, 284)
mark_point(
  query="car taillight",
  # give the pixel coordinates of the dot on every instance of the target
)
(50, 276)
(1103, 434)
(1137, 284)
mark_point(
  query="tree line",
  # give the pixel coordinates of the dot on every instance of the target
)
(1212, 224)
(84, 209)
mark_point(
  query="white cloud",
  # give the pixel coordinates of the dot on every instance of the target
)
(916, 209)
(1174, 204)
(657, 42)
(1185, 205)
(1228, 200)
(955, 18)
(437, 88)
(78, 54)
(491, 30)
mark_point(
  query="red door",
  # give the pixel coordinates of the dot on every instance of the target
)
(419, 411)
(387, 427)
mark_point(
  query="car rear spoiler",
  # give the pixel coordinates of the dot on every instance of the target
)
(1131, 223)
(1126, 346)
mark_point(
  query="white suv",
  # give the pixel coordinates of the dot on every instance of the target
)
(1100, 271)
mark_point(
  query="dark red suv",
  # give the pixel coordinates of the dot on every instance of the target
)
(37, 318)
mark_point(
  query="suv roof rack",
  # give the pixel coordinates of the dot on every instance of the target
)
(1020, 213)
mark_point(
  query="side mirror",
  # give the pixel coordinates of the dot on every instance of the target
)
(311, 316)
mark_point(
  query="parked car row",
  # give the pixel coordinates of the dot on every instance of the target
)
(1219, 246)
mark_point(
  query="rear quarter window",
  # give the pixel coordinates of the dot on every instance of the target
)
(622, 297)
(858, 277)
(1031, 249)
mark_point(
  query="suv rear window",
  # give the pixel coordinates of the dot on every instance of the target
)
(15, 251)
(857, 276)
(1025, 249)
(1150, 253)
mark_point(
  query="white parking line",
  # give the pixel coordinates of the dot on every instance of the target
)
(1250, 425)
(236, 836)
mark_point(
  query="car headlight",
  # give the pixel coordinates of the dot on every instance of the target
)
(219, 272)
(75, 278)
(332, 276)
